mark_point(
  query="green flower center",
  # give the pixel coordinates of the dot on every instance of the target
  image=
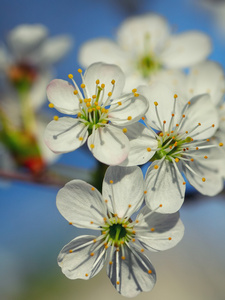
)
(147, 65)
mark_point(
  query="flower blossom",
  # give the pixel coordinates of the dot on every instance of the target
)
(145, 49)
(176, 139)
(123, 241)
(25, 70)
(96, 115)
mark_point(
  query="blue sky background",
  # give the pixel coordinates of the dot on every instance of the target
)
(31, 229)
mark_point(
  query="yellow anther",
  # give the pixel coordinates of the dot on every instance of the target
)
(97, 81)
(92, 254)
(82, 85)
(109, 94)
(172, 131)
(106, 201)
(103, 110)
(124, 130)
(81, 101)
(176, 159)
(96, 103)
(161, 134)
(186, 132)
(98, 107)
(221, 144)
(149, 271)
(94, 96)
(111, 181)
(104, 219)
(86, 275)
(136, 94)
(156, 167)
(172, 115)
(133, 240)
(205, 156)
(213, 125)
(102, 85)
(183, 116)
(92, 188)
(70, 251)
(123, 257)
(106, 110)
(91, 222)
(189, 102)
(92, 146)
(113, 81)
(152, 229)
(134, 90)
(149, 149)
(94, 240)
(124, 225)
(142, 250)
(164, 122)
(75, 92)
(169, 238)
(184, 183)
(90, 110)
(199, 124)
(70, 76)
(203, 179)
(81, 138)
(156, 103)
(129, 118)
(122, 242)
(88, 104)
(208, 140)
(133, 231)
(56, 118)
(110, 262)
(119, 103)
(51, 105)
(160, 205)
(143, 118)
(177, 125)
(175, 96)
(196, 148)
(79, 71)
(117, 282)
(70, 223)
(192, 159)
(79, 114)
(168, 134)
(145, 192)
(173, 137)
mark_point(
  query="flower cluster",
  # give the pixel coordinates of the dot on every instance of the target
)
(170, 119)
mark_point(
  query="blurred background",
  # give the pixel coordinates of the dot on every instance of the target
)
(32, 232)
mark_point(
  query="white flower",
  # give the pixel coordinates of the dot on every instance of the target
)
(144, 47)
(176, 140)
(29, 59)
(96, 114)
(122, 241)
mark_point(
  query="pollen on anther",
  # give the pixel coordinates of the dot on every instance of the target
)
(113, 81)
(110, 94)
(122, 257)
(169, 238)
(137, 221)
(184, 183)
(70, 223)
(133, 231)
(82, 85)
(164, 122)
(129, 118)
(196, 148)
(143, 118)
(221, 144)
(177, 125)
(51, 105)
(183, 116)
(102, 85)
(94, 240)
(79, 71)
(205, 156)
(124, 130)
(136, 94)
(213, 125)
(91, 222)
(160, 205)
(110, 262)
(192, 159)
(161, 134)
(208, 140)
(92, 254)
(156, 167)
(172, 115)
(56, 118)
(117, 282)
(86, 275)
(199, 124)
(149, 271)
(134, 90)
(129, 205)
(70, 76)
(186, 132)
(175, 96)
(142, 250)
(119, 103)
(70, 251)
(145, 192)
(203, 179)
(177, 160)
(92, 146)
(97, 81)
(106, 201)
(152, 229)
(156, 103)
(189, 102)
(133, 240)
(111, 181)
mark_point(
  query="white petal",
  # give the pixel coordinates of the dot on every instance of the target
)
(201, 110)
(136, 31)
(130, 111)
(133, 79)
(164, 185)
(141, 139)
(105, 73)
(111, 146)
(160, 93)
(207, 77)
(62, 136)
(80, 204)
(212, 169)
(125, 194)
(163, 231)
(38, 89)
(131, 275)
(60, 93)
(103, 50)
(186, 49)
(54, 49)
(80, 264)
(24, 38)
